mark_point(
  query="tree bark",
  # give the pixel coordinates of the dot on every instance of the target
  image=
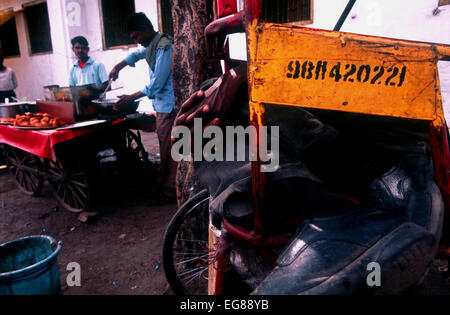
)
(191, 66)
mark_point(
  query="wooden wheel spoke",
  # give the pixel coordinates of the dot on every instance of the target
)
(72, 189)
(12, 155)
(25, 168)
(22, 178)
(16, 174)
(64, 192)
(58, 189)
(79, 203)
(23, 160)
(79, 174)
(67, 194)
(30, 181)
(70, 197)
(78, 183)
(77, 190)
(53, 172)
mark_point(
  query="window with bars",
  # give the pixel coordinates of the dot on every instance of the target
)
(296, 12)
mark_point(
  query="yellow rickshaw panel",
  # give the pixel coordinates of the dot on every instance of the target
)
(344, 72)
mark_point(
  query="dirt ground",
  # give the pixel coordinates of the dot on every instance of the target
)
(120, 252)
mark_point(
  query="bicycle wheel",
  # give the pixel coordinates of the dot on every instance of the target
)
(186, 255)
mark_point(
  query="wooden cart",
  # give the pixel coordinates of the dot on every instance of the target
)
(68, 159)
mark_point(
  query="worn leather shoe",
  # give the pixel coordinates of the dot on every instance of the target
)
(332, 255)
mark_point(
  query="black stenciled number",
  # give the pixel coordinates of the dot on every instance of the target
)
(380, 73)
(349, 73)
(321, 68)
(336, 72)
(297, 70)
(362, 69)
(307, 67)
(402, 77)
(393, 75)
(291, 69)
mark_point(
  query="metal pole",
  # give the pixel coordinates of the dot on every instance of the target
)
(344, 15)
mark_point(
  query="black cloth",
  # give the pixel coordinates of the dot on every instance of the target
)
(7, 94)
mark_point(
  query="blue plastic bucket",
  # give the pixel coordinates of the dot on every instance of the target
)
(28, 266)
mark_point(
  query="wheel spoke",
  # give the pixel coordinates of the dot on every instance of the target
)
(22, 179)
(77, 183)
(187, 256)
(197, 275)
(63, 197)
(77, 199)
(32, 185)
(70, 199)
(189, 271)
(192, 259)
(78, 189)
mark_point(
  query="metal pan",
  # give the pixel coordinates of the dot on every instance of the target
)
(107, 107)
(12, 109)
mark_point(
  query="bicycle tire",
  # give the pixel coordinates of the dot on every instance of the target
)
(181, 276)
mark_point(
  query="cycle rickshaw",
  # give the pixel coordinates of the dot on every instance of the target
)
(335, 75)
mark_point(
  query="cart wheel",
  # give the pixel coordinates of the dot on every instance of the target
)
(70, 185)
(24, 167)
(186, 256)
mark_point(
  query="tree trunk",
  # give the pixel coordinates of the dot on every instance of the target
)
(191, 63)
(191, 66)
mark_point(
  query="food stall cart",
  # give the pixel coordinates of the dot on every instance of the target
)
(68, 156)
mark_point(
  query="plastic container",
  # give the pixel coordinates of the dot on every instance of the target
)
(28, 266)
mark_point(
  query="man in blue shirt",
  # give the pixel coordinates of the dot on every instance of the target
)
(86, 70)
(157, 50)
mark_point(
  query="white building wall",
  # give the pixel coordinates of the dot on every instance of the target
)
(36, 71)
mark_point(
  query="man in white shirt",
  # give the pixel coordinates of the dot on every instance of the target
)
(8, 81)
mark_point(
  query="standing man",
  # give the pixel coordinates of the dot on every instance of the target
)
(8, 81)
(157, 50)
(86, 70)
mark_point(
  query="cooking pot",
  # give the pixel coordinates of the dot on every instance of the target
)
(12, 109)
(106, 106)
(82, 97)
